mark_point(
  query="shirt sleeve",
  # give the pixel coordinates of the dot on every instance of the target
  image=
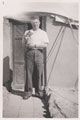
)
(45, 37)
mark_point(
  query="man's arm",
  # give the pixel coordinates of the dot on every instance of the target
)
(42, 45)
(23, 41)
(25, 38)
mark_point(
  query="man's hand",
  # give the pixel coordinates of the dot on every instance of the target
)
(30, 45)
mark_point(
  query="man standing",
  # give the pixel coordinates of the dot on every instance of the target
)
(34, 41)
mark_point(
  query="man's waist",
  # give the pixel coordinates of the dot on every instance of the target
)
(35, 48)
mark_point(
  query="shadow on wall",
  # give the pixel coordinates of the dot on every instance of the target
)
(7, 74)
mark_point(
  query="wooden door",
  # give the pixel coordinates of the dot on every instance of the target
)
(18, 55)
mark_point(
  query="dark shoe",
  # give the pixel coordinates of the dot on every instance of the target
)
(27, 95)
(36, 94)
(39, 94)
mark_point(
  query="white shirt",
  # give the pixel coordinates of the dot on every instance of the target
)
(37, 37)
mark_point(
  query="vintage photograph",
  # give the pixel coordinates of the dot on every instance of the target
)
(40, 59)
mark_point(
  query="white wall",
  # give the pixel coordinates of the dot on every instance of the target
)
(6, 38)
(7, 41)
(65, 71)
(7, 50)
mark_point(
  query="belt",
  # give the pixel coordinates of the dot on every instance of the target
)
(40, 49)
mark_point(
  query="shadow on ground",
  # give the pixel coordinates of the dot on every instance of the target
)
(16, 92)
(46, 113)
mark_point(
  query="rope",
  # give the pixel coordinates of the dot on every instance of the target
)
(72, 31)
(56, 55)
(55, 46)
(54, 43)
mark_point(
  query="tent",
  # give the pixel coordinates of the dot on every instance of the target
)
(62, 29)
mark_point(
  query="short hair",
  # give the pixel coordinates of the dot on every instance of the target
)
(34, 18)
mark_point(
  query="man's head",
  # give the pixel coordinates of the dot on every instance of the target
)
(35, 23)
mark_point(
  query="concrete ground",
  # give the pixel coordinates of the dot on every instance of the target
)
(15, 107)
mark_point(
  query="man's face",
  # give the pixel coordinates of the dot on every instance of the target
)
(35, 24)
